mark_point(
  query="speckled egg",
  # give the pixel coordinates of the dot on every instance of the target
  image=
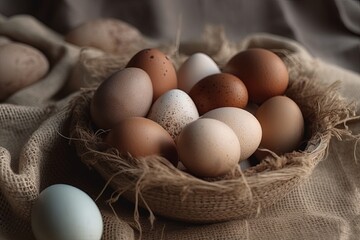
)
(173, 110)
(219, 90)
(159, 67)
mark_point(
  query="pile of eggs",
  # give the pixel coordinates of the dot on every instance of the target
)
(208, 118)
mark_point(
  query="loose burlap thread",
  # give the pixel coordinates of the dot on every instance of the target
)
(35, 153)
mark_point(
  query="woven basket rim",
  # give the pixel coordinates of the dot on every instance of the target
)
(140, 177)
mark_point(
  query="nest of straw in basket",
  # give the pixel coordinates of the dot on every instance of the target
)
(165, 190)
(162, 189)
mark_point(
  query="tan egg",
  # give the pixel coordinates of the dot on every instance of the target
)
(208, 148)
(219, 90)
(127, 93)
(282, 124)
(142, 137)
(264, 73)
(108, 34)
(20, 66)
(246, 127)
(159, 67)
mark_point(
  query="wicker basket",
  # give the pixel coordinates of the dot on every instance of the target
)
(155, 184)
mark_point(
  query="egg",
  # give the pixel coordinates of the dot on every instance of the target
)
(20, 66)
(108, 34)
(127, 93)
(219, 90)
(195, 68)
(208, 148)
(173, 110)
(159, 67)
(264, 73)
(142, 137)
(246, 127)
(282, 124)
(63, 212)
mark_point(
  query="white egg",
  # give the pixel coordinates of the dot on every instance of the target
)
(63, 212)
(244, 124)
(173, 110)
(195, 68)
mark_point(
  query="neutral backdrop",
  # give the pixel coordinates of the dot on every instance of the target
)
(329, 29)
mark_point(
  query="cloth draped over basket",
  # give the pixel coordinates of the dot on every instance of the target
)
(41, 144)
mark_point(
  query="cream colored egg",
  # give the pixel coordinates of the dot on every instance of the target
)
(173, 110)
(246, 127)
(208, 148)
(20, 66)
(195, 68)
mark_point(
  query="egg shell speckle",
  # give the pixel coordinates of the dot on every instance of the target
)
(173, 110)
(219, 90)
(159, 67)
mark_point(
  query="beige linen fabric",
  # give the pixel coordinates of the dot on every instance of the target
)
(35, 153)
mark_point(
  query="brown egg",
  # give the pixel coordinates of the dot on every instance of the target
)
(20, 66)
(142, 137)
(282, 124)
(127, 93)
(108, 34)
(159, 67)
(219, 90)
(262, 71)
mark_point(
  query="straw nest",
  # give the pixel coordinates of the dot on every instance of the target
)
(162, 189)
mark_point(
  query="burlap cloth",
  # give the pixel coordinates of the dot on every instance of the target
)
(35, 152)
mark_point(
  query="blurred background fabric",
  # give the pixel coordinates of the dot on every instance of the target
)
(328, 29)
